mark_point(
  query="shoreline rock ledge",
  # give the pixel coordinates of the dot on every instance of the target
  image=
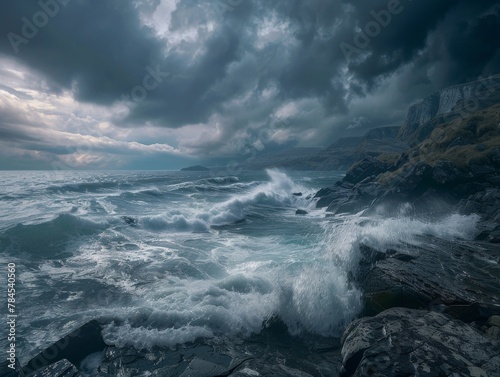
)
(408, 342)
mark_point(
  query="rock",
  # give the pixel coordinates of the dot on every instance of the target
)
(459, 141)
(324, 192)
(7, 371)
(481, 147)
(494, 320)
(62, 368)
(495, 157)
(331, 195)
(368, 167)
(455, 272)
(368, 188)
(416, 181)
(266, 354)
(301, 212)
(407, 342)
(297, 194)
(493, 179)
(489, 236)
(129, 220)
(202, 368)
(486, 203)
(445, 172)
(481, 167)
(447, 105)
(493, 333)
(74, 347)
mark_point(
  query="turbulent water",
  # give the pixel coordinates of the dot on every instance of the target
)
(166, 258)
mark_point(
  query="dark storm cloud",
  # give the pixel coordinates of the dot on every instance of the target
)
(458, 33)
(98, 47)
(101, 50)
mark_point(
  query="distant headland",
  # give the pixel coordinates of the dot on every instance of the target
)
(195, 168)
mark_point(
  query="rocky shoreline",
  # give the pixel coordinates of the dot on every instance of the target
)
(431, 308)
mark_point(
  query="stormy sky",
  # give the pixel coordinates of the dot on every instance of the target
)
(160, 84)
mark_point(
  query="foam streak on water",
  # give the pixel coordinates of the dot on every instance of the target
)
(166, 258)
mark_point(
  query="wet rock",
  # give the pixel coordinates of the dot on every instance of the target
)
(415, 182)
(368, 167)
(333, 195)
(369, 189)
(297, 194)
(265, 354)
(495, 157)
(455, 272)
(481, 147)
(493, 179)
(494, 320)
(324, 192)
(459, 141)
(408, 342)
(62, 368)
(7, 371)
(487, 204)
(301, 212)
(74, 347)
(445, 172)
(157, 362)
(493, 332)
(129, 220)
(481, 167)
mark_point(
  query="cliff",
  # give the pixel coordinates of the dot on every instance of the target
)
(453, 161)
(448, 104)
(427, 304)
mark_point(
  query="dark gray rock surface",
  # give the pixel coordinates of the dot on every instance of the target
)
(74, 347)
(461, 276)
(407, 342)
(448, 104)
(62, 368)
(259, 356)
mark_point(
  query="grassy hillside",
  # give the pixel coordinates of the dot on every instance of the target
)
(472, 139)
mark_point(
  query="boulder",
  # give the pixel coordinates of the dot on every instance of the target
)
(301, 212)
(459, 141)
(458, 274)
(62, 368)
(6, 369)
(486, 203)
(414, 182)
(407, 342)
(368, 167)
(269, 353)
(330, 195)
(445, 172)
(74, 347)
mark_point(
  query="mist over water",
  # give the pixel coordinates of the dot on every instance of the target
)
(166, 258)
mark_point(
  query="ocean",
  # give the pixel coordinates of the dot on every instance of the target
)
(167, 258)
